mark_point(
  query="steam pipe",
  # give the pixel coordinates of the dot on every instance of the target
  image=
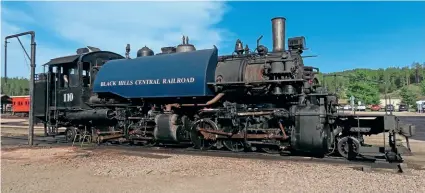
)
(210, 102)
(278, 34)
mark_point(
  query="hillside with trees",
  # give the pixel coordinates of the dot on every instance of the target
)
(366, 85)
(15, 86)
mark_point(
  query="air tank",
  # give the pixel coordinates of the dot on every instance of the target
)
(185, 46)
(278, 34)
(145, 51)
(239, 70)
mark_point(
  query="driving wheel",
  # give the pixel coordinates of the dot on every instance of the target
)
(348, 147)
(70, 133)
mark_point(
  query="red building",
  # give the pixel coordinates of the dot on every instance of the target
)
(20, 105)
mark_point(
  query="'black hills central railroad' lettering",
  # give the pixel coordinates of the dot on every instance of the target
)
(148, 81)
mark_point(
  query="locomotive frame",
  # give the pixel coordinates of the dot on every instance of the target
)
(247, 101)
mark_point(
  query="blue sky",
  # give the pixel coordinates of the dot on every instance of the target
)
(345, 35)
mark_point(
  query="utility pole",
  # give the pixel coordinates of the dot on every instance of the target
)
(32, 64)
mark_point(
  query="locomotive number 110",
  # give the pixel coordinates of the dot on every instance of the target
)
(68, 97)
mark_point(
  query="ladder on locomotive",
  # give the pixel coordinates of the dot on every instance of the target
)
(50, 129)
(82, 137)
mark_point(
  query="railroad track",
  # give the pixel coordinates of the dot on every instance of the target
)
(7, 141)
(138, 150)
(8, 116)
(134, 150)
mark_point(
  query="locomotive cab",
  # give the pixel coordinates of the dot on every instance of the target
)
(67, 84)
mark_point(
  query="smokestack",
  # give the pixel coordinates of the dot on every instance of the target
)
(278, 28)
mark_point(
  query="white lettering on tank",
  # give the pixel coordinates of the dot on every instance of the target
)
(185, 80)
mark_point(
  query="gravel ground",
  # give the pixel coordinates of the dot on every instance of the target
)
(67, 170)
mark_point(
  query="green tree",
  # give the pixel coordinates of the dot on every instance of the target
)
(408, 96)
(362, 89)
(367, 93)
(15, 86)
(422, 85)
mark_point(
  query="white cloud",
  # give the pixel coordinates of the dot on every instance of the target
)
(111, 25)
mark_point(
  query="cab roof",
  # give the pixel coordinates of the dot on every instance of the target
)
(74, 58)
(63, 60)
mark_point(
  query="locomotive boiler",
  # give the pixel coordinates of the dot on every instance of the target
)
(257, 100)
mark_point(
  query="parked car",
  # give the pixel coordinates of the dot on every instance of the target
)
(389, 108)
(403, 107)
(347, 107)
(361, 108)
(375, 108)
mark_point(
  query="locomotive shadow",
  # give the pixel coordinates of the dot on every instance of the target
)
(368, 153)
(373, 162)
(143, 151)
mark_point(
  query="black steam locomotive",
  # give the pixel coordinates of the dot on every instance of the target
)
(248, 101)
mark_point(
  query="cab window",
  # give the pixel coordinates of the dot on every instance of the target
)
(73, 76)
(86, 74)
